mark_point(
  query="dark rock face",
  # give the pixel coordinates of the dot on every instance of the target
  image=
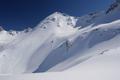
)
(112, 7)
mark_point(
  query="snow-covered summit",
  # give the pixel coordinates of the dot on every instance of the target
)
(59, 19)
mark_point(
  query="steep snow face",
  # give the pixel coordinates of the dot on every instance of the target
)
(77, 45)
(95, 36)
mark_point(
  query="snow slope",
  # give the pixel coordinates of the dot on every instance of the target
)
(100, 67)
(62, 46)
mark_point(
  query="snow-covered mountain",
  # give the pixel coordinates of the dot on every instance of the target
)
(87, 46)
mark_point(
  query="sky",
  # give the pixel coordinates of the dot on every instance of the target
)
(21, 14)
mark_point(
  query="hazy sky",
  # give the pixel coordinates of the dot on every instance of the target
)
(20, 14)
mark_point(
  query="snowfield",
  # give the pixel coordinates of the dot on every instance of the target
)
(100, 67)
(64, 47)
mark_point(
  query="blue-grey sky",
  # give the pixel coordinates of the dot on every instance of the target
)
(20, 14)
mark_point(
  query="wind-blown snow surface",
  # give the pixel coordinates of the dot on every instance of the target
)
(63, 46)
